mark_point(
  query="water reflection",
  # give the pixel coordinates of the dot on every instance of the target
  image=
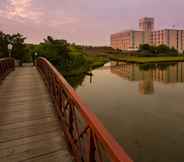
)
(146, 74)
(149, 127)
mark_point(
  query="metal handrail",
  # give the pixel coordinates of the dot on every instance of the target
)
(6, 65)
(88, 139)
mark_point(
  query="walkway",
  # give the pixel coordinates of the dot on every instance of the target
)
(29, 128)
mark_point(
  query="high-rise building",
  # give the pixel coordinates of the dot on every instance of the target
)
(146, 24)
(132, 39)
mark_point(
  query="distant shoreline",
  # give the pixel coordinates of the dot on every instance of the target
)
(143, 59)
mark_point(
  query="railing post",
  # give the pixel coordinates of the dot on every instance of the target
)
(71, 121)
(6, 66)
(92, 148)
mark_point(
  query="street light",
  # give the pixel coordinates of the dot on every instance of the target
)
(10, 46)
(36, 54)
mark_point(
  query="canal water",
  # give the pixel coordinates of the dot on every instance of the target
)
(142, 105)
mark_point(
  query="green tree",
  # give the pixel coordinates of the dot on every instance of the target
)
(19, 47)
(161, 49)
(56, 51)
(144, 47)
(17, 40)
(4, 40)
(173, 51)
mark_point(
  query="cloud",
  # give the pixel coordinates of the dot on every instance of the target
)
(63, 20)
(23, 10)
(20, 10)
(83, 21)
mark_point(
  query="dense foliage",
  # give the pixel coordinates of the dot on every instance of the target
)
(56, 51)
(158, 50)
(69, 58)
(19, 49)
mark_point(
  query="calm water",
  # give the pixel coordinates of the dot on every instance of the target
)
(142, 106)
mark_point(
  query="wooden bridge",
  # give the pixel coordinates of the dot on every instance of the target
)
(48, 122)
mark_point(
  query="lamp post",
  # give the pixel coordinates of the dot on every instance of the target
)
(10, 47)
(36, 54)
(34, 57)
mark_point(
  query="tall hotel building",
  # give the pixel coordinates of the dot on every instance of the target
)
(132, 39)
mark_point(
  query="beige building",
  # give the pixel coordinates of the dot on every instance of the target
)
(170, 37)
(132, 39)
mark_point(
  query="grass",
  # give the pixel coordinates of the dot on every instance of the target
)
(131, 57)
(143, 59)
(81, 62)
(96, 61)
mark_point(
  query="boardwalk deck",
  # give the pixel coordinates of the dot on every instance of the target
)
(29, 128)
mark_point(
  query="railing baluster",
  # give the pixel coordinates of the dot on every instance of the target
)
(92, 148)
(84, 137)
(6, 66)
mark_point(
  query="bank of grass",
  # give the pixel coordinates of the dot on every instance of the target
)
(147, 59)
(96, 61)
(81, 62)
(135, 57)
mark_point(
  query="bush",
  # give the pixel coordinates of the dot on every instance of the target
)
(56, 51)
(162, 49)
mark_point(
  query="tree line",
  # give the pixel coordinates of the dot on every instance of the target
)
(67, 55)
(55, 50)
(18, 50)
(157, 50)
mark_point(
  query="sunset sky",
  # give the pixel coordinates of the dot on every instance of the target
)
(85, 21)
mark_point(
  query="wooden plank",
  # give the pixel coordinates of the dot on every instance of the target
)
(28, 123)
(24, 117)
(33, 150)
(14, 134)
(29, 127)
(14, 150)
(27, 140)
(58, 156)
(26, 107)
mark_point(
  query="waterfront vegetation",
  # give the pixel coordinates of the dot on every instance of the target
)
(146, 54)
(145, 59)
(74, 60)
(68, 58)
(162, 49)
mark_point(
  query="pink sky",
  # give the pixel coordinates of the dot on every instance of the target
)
(84, 21)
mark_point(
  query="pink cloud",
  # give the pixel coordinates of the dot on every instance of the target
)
(23, 10)
(20, 10)
(83, 21)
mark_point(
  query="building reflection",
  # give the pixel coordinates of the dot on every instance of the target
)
(146, 84)
(147, 74)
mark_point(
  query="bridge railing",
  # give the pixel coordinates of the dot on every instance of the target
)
(89, 141)
(6, 65)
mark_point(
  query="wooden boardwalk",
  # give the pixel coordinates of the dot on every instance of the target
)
(29, 128)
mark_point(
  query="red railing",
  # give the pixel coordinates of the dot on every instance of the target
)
(6, 65)
(88, 139)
